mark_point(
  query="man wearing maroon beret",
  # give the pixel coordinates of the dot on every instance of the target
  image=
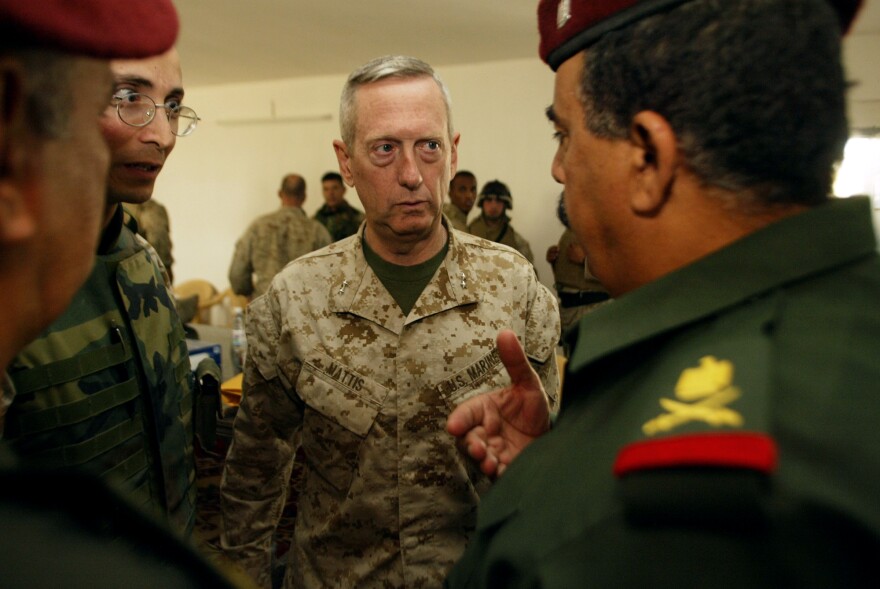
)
(64, 69)
(719, 418)
(106, 388)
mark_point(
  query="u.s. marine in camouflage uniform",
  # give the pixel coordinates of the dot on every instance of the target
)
(330, 354)
(273, 240)
(340, 360)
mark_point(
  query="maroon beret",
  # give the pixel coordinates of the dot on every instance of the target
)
(97, 28)
(569, 26)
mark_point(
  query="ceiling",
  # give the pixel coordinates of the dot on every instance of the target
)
(230, 41)
(234, 41)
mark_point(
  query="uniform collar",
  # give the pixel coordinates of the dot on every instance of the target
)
(110, 234)
(789, 250)
(359, 291)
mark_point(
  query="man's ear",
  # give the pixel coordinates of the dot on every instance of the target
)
(18, 189)
(453, 159)
(344, 159)
(655, 159)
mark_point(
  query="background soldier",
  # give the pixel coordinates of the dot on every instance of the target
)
(273, 240)
(494, 224)
(462, 195)
(340, 218)
(578, 290)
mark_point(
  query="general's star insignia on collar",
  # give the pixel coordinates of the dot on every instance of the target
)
(563, 13)
(702, 394)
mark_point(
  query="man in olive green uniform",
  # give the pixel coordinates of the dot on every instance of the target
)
(462, 195)
(273, 240)
(106, 387)
(719, 422)
(340, 218)
(494, 224)
(363, 348)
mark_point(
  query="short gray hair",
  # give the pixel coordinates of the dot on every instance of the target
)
(389, 66)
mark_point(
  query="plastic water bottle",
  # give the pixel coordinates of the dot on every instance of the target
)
(239, 341)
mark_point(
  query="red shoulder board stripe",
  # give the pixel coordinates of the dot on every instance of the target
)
(728, 450)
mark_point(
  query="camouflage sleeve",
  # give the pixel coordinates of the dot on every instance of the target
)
(542, 336)
(322, 237)
(156, 228)
(157, 261)
(255, 478)
(241, 270)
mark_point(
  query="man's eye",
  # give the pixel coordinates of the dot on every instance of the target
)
(385, 148)
(172, 106)
(432, 145)
(558, 136)
(127, 96)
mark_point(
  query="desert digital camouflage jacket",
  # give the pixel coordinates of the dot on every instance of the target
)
(269, 244)
(106, 387)
(387, 499)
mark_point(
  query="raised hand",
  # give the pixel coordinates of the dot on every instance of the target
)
(493, 428)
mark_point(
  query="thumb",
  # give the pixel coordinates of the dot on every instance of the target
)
(515, 361)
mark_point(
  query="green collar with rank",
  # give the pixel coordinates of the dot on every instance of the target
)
(827, 236)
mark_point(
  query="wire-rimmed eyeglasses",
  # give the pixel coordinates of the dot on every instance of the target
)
(138, 110)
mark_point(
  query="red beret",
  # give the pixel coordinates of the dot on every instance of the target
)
(569, 26)
(97, 28)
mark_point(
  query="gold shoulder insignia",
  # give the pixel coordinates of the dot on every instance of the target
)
(702, 394)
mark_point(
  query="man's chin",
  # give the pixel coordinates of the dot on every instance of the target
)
(129, 197)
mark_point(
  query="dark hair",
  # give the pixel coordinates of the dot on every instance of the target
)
(48, 95)
(753, 89)
(464, 173)
(332, 176)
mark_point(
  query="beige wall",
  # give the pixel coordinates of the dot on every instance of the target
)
(228, 172)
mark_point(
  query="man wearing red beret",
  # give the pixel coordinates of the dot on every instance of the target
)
(719, 419)
(106, 387)
(65, 527)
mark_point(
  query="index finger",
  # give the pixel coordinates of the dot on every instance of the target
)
(515, 361)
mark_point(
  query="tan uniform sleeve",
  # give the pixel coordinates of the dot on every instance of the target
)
(256, 475)
(241, 270)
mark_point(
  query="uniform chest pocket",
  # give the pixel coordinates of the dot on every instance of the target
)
(482, 375)
(341, 408)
